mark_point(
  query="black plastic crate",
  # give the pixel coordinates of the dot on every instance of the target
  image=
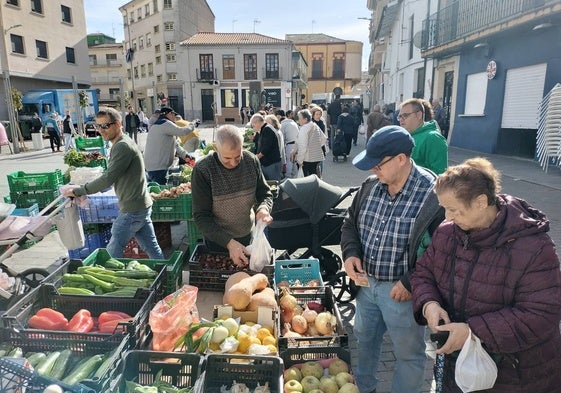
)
(215, 279)
(136, 331)
(222, 369)
(323, 295)
(179, 369)
(302, 355)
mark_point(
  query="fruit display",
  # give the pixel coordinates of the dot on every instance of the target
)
(298, 286)
(217, 262)
(173, 192)
(245, 292)
(242, 388)
(325, 376)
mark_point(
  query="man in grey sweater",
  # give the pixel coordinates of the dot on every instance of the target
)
(161, 144)
(125, 172)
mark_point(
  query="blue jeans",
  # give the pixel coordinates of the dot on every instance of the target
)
(158, 176)
(273, 171)
(377, 312)
(138, 225)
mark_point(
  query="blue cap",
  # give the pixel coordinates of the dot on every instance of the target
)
(387, 141)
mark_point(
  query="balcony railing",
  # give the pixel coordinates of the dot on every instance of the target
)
(465, 17)
(206, 75)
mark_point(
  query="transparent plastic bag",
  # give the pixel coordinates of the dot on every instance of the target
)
(475, 369)
(261, 250)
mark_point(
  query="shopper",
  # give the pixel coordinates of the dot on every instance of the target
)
(125, 172)
(385, 226)
(69, 132)
(308, 153)
(51, 125)
(226, 185)
(268, 151)
(132, 123)
(289, 130)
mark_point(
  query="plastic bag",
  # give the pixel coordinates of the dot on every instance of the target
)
(69, 226)
(362, 129)
(300, 172)
(171, 317)
(475, 369)
(261, 250)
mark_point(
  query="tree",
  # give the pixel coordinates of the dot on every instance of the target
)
(17, 99)
(83, 98)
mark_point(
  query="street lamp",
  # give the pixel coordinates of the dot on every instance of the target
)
(8, 92)
(131, 54)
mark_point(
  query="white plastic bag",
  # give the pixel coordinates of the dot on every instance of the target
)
(300, 172)
(475, 369)
(261, 250)
(69, 226)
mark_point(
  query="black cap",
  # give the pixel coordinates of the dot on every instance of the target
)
(166, 109)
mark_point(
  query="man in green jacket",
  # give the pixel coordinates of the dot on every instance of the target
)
(125, 172)
(431, 150)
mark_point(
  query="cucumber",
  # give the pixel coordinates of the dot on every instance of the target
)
(36, 358)
(46, 366)
(105, 365)
(61, 364)
(16, 352)
(84, 370)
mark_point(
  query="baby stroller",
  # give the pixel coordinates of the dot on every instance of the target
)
(339, 147)
(306, 215)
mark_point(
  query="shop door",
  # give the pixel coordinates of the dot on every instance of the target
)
(207, 100)
(447, 100)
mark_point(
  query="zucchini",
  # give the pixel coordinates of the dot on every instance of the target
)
(35, 358)
(75, 291)
(46, 366)
(61, 364)
(113, 263)
(16, 352)
(104, 366)
(83, 370)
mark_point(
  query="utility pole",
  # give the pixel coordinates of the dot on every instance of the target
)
(8, 91)
(131, 56)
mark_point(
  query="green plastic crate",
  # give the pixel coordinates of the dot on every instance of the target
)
(170, 209)
(174, 265)
(194, 234)
(88, 143)
(102, 162)
(27, 199)
(31, 182)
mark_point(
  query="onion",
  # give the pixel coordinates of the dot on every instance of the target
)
(317, 307)
(287, 301)
(298, 310)
(313, 283)
(312, 330)
(287, 332)
(309, 315)
(299, 324)
(286, 315)
(323, 323)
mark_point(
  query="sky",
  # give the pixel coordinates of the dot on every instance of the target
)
(332, 17)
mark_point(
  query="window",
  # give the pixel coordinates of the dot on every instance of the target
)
(476, 94)
(172, 76)
(168, 26)
(272, 66)
(41, 49)
(317, 65)
(66, 15)
(13, 2)
(170, 45)
(170, 58)
(131, 17)
(36, 6)
(157, 48)
(134, 44)
(147, 10)
(128, 73)
(141, 42)
(70, 57)
(148, 39)
(411, 27)
(419, 83)
(111, 59)
(228, 67)
(150, 69)
(167, 5)
(158, 59)
(156, 29)
(113, 92)
(139, 13)
(125, 21)
(207, 67)
(229, 98)
(17, 44)
(143, 71)
(250, 66)
(155, 5)
(92, 60)
(338, 65)
(158, 78)
(136, 72)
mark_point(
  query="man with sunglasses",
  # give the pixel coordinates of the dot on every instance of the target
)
(125, 172)
(387, 226)
(431, 149)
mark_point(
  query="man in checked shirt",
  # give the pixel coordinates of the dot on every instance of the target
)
(387, 225)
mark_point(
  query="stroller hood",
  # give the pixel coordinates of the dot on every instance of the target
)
(314, 196)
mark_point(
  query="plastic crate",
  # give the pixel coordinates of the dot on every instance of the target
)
(95, 236)
(174, 266)
(171, 209)
(27, 182)
(37, 383)
(89, 144)
(103, 208)
(163, 236)
(15, 378)
(136, 332)
(323, 295)
(194, 234)
(179, 369)
(102, 162)
(28, 199)
(302, 355)
(215, 279)
(31, 211)
(293, 270)
(222, 369)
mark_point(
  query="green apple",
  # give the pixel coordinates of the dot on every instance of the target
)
(292, 373)
(328, 385)
(343, 378)
(309, 383)
(292, 386)
(313, 369)
(338, 366)
(349, 388)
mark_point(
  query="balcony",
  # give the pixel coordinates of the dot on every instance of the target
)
(271, 74)
(206, 75)
(111, 63)
(469, 20)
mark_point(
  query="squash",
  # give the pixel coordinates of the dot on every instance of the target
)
(265, 298)
(233, 279)
(239, 294)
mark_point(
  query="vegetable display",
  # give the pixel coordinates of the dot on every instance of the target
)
(158, 386)
(173, 192)
(81, 322)
(79, 158)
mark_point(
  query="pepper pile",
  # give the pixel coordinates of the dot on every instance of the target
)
(82, 322)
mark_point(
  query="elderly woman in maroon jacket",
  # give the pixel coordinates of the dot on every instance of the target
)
(492, 269)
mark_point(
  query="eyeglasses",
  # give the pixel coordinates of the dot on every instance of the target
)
(405, 115)
(103, 126)
(380, 165)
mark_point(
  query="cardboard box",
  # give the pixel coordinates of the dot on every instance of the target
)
(264, 316)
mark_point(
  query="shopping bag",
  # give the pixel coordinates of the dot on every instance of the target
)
(362, 129)
(69, 226)
(475, 369)
(300, 172)
(260, 249)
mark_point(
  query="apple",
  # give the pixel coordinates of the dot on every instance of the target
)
(313, 369)
(349, 388)
(292, 373)
(317, 391)
(309, 383)
(328, 385)
(338, 366)
(343, 378)
(332, 377)
(292, 386)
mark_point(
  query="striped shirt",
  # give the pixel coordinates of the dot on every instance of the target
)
(385, 225)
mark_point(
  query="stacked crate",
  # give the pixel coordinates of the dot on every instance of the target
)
(26, 189)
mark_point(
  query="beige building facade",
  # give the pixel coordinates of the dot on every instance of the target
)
(107, 66)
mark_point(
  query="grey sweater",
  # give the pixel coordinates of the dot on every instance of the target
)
(161, 143)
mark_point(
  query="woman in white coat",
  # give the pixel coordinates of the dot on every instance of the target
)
(308, 152)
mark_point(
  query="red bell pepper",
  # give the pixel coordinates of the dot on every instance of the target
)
(111, 326)
(81, 322)
(110, 316)
(48, 319)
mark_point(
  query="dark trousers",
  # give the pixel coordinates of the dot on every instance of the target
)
(349, 142)
(311, 168)
(54, 138)
(133, 133)
(157, 176)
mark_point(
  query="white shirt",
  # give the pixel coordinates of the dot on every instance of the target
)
(289, 130)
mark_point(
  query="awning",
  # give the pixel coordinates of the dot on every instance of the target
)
(386, 21)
